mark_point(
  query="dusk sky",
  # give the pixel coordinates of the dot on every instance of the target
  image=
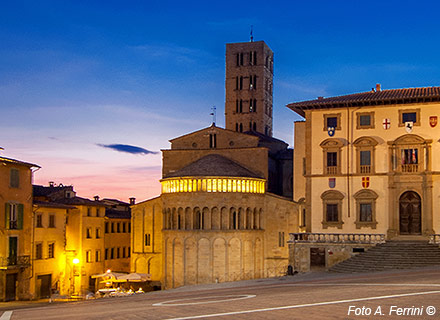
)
(92, 90)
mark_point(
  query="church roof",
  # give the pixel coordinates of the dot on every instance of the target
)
(370, 98)
(214, 165)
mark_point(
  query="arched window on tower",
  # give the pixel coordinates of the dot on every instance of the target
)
(254, 127)
(241, 127)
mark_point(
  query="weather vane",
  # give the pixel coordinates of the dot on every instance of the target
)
(213, 114)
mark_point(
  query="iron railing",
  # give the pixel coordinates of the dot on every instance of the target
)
(15, 261)
(365, 238)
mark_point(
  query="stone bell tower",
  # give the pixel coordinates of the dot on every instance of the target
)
(249, 87)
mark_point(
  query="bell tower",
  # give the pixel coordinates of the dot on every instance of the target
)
(249, 87)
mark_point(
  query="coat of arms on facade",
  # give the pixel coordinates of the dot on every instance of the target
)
(386, 124)
(365, 182)
(433, 121)
(332, 182)
(331, 131)
(409, 126)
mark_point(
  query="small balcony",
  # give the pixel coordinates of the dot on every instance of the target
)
(332, 170)
(413, 167)
(15, 262)
(365, 169)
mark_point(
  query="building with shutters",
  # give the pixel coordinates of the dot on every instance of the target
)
(15, 228)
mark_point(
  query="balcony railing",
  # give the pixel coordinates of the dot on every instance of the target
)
(15, 261)
(365, 169)
(364, 238)
(332, 170)
(413, 167)
(13, 225)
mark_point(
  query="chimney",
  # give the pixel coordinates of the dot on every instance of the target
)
(320, 98)
(132, 200)
(96, 198)
(51, 184)
(378, 87)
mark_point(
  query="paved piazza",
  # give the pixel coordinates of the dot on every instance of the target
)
(387, 295)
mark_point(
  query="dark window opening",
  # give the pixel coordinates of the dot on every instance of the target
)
(409, 117)
(332, 212)
(366, 212)
(365, 120)
(332, 122)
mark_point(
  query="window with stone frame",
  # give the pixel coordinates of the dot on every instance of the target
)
(332, 120)
(332, 156)
(410, 154)
(365, 154)
(332, 209)
(365, 208)
(365, 120)
(409, 115)
(39, 251)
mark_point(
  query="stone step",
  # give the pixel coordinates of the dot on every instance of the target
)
(390, 255)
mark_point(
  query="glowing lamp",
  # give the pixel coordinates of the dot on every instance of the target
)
(75, 261)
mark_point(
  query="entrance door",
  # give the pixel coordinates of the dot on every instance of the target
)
(46, 284)
(317, 257)
(410, 213)
(11, 280)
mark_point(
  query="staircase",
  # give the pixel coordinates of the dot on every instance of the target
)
(391, 255)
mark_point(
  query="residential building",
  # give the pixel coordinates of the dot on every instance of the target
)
(15, 229)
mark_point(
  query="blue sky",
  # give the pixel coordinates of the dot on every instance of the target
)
(79, 76)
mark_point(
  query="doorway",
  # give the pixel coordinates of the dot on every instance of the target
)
(410, 213)
(317, 257)
(11, 280)
(46, 285)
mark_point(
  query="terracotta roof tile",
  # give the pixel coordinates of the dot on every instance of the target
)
(370, 98)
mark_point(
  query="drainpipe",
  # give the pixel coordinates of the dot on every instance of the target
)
(349, 156)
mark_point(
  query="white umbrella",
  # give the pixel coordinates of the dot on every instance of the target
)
(135, 277)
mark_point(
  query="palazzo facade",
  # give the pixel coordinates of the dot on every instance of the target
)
(369, 165)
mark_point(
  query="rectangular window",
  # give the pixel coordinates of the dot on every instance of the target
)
(117, 253)
(89, 212)
(113, 227)
(39, 251)
(365, 120)
(15, 178)
(213, 141)
(88, 256)
(51, 250)
(332, 162)
(51, 221)
(98, 255)
(147, 239)
(303, 218)
(98, 210)
(332, 122)
(106, 254)
(112, 253)
(129, 227)
(123, 252)
(365, 158)
(409, 117)
(281, 239)
(14, 216)
(89, 233)
(124, 227)
(366, 212)
(332, 212)
(106, 227)
(118, 227)
(304, 166)
(98, 233)
(129, 252)
(39, 221)
(410, 160)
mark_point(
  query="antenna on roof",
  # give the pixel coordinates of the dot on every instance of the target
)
(252, 35)
(213, 114)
